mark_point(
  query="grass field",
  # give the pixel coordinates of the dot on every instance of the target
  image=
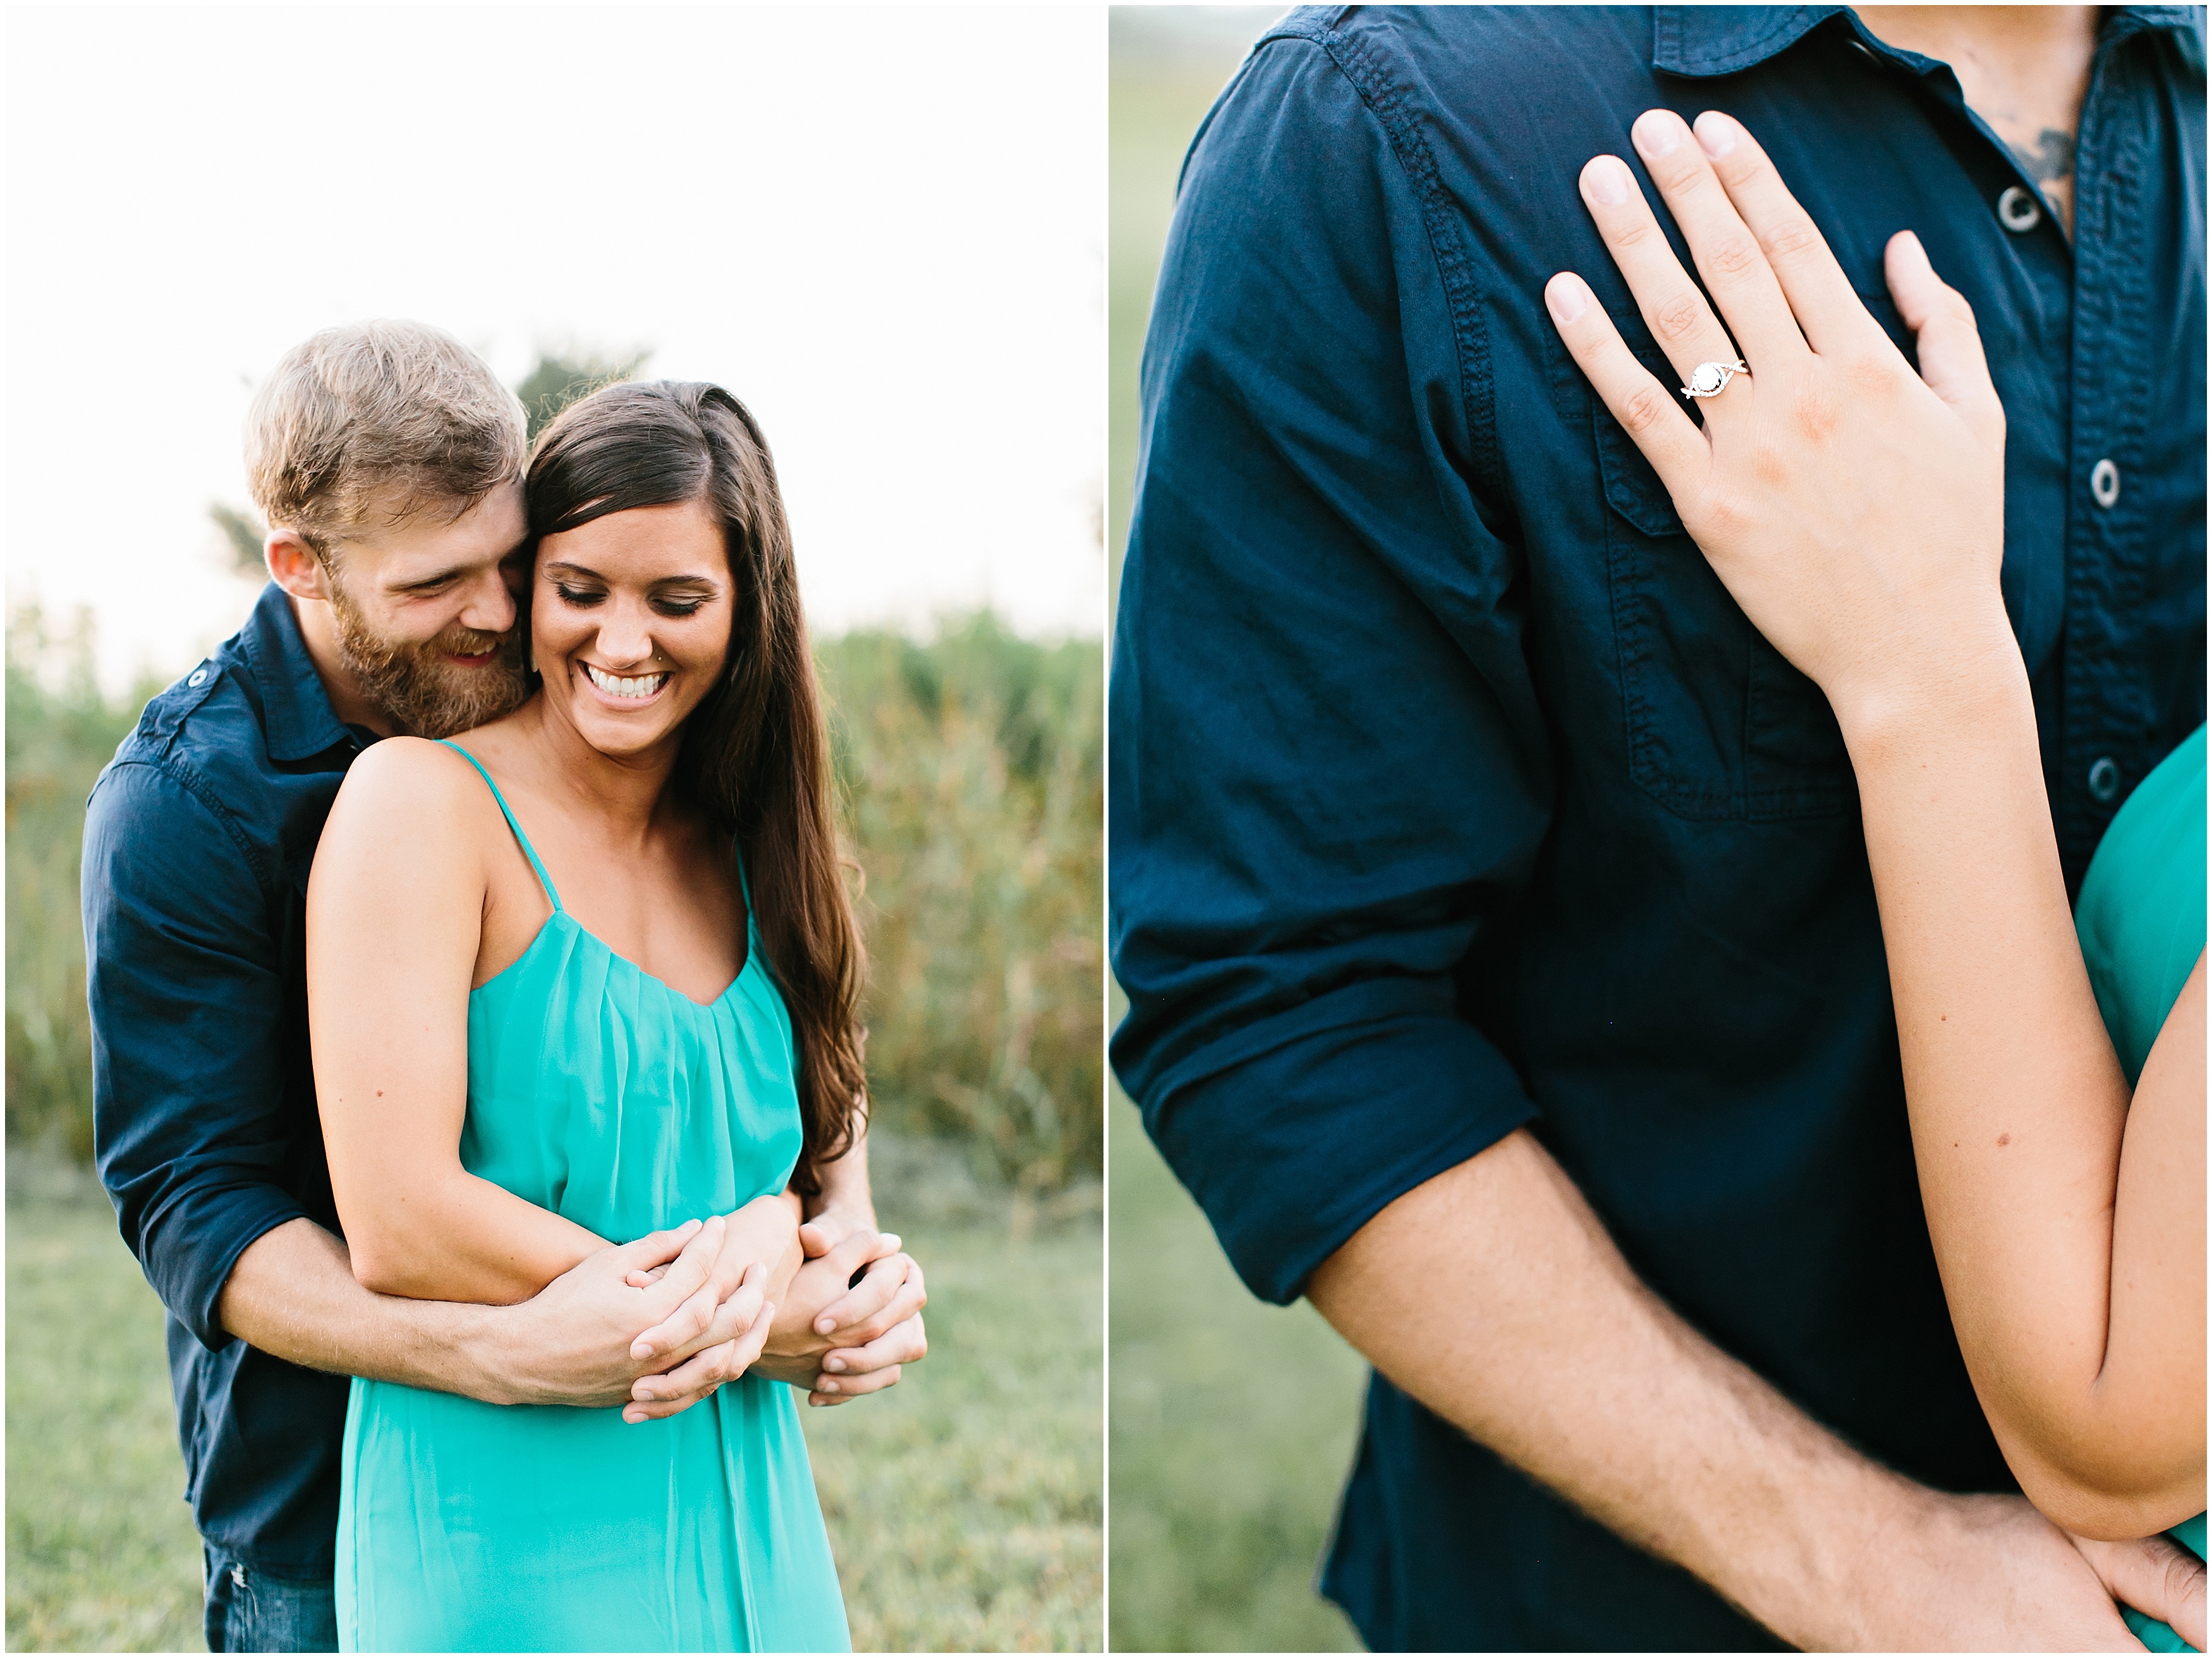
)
(964, 1506)
(1233, 1424)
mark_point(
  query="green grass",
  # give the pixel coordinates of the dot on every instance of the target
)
(102, 1553)
(1233, 1425)
(963, 1505)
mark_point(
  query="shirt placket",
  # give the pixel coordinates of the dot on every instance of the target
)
(2106, 697)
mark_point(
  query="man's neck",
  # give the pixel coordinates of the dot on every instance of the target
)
(319, 632)
(2025, 70)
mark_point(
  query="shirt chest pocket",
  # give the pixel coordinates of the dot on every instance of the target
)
(1719, 725)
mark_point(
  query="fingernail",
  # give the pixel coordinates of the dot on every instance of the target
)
(826, 1387)
(1716, 133)
(892, 1239)
(835, 1366)
(1565, 297)
(1657, 132)
(823, 1326)
(1606, 181)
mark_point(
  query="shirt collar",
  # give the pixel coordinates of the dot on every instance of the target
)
(1708, 40)
(295, 709)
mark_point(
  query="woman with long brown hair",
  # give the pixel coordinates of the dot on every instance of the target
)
(589, 973)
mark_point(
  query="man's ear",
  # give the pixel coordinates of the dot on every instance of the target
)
(294, 566)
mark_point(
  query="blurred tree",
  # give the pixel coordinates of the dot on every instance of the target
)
(972, 780)
(243, 534)
(564, 375)
(61, 731)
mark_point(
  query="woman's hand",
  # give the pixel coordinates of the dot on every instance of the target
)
(1854, 508)
(838, 1339)
(758, 1247)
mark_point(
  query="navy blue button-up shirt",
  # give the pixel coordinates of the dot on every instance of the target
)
(1450, 791)
(197, 842)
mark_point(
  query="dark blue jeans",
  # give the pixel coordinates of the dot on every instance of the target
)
(249, 1610)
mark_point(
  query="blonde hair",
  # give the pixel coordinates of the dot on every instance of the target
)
(393, 417)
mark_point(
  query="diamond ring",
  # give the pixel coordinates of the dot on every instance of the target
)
(1707, 378)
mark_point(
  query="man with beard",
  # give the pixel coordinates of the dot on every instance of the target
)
(388, 461)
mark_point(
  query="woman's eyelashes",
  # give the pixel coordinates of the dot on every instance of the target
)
(673, 606)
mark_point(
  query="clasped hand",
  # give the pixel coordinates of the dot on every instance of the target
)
(1854, 508)
(849, 1320)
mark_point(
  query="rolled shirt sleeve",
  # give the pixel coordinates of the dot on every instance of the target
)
(1330, 772)
(187, 1007)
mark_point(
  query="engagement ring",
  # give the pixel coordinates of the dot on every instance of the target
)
(1707, 378)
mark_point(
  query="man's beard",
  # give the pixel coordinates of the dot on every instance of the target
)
(419, 691)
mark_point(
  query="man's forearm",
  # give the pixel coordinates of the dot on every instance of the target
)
(1492, 1295)
(293, 1293)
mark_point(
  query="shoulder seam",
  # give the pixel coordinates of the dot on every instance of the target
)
(170, 769)
(1392, 106)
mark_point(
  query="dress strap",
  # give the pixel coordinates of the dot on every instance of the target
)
(522, 840)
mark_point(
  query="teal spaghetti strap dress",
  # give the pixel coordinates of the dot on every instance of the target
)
(2141, 919)
(598, 1092)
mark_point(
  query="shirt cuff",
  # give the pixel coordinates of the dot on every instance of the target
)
(190, 1250)
(1326, 1114)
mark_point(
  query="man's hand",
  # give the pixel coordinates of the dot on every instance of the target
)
(717, 1334)
(1556, 1357)
(1976, 1574)
(840, 1339)
(873, 1367)
(573, 1342)
(2156, 1577)
(293, 1293)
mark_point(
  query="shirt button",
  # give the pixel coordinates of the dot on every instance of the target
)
(2103, 779)
(2105, 483)
(2017, 211)
(199, 677)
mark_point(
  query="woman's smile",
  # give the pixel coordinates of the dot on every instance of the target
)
(631, 620)
(629, 690)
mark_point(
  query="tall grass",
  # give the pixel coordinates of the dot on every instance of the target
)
(61, 730)
(971, 769)
(969, 773)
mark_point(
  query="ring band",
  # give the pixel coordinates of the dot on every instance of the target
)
(1707, 378)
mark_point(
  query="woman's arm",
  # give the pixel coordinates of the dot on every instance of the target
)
(2069, 1228)
(1854, 508)
(395, 911)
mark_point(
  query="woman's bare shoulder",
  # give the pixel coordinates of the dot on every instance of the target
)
(409, 792)
(410, 771)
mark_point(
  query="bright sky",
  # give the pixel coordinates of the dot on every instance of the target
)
(882, 228)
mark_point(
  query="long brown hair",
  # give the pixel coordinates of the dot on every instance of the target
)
(756, 755)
